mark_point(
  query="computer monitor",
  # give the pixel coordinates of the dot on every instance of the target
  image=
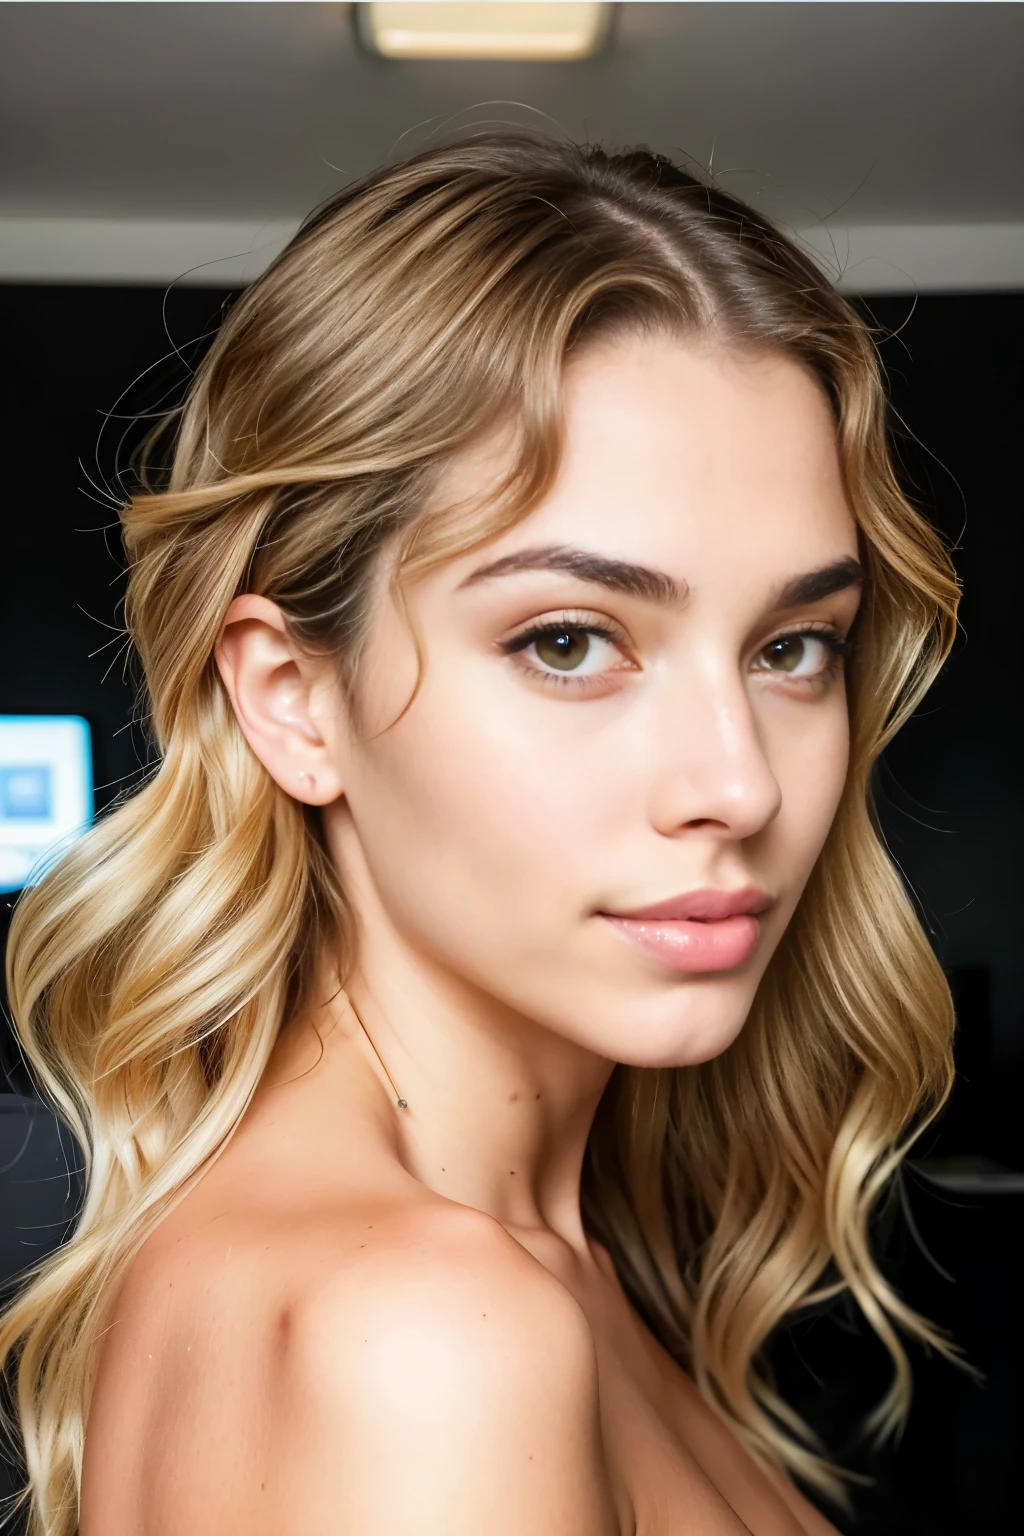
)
(46, 792)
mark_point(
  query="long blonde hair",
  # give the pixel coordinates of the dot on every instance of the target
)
(150, 971)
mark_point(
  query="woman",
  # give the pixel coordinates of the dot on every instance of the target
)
(497, 1011)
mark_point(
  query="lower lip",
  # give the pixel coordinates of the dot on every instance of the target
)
(686, 945)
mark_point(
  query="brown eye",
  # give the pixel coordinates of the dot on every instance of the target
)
(807, 655)
(576, 654)
(786, 654)
(563, 648)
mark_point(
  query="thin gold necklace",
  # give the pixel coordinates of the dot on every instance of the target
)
(402, 1103)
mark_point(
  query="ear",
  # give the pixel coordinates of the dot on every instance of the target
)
(278, 694)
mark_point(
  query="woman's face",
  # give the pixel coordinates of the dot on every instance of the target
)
(634, 697)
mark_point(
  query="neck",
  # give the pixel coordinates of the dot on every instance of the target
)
(498, 1108)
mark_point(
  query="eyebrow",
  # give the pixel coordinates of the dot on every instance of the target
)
(657, 586)
(813, 586)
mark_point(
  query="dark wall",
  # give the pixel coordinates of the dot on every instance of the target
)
(953, 777)
(81, 363)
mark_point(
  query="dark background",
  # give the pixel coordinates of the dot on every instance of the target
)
(81, 363)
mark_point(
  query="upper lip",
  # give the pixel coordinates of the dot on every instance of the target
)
(708, 906)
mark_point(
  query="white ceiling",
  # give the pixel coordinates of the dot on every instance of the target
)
(192, 117)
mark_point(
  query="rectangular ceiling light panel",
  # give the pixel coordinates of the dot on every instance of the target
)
(484, 29)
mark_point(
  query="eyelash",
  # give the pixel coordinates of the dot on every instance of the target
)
(573, 625)
(839, 649)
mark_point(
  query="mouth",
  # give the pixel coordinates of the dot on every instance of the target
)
(699, 931)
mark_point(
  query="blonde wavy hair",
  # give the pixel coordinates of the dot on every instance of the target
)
(151, 969)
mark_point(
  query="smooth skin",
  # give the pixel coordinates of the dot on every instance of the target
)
(370, 1321)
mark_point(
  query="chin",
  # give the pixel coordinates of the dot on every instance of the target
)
(692, 1029)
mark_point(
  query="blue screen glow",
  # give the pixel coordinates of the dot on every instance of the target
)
(46, 792)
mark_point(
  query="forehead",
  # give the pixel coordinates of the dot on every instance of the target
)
(690, 457)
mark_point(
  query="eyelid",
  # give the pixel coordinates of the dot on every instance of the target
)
(578, 618)
(823, 628)
(837, 648)
(582, 622)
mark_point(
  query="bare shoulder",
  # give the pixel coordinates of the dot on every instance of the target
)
(445, 1381)
(811, 1519)
(402, 1369)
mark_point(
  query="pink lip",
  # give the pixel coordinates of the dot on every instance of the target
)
(699, 931)
(708, 906)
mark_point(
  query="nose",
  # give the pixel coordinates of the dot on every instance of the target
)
(710, 766)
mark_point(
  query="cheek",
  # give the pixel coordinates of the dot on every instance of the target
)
(470, 827)
(811, 767)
